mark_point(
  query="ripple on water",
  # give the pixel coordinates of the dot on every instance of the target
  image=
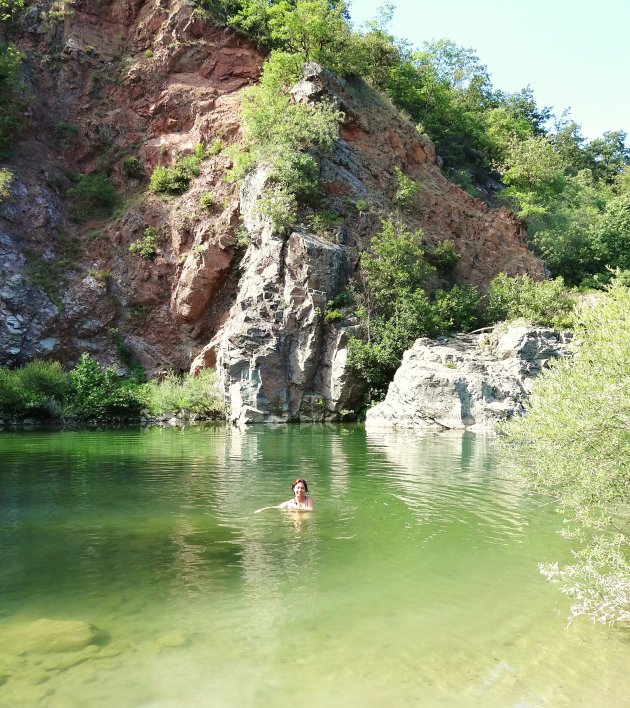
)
(414, 582)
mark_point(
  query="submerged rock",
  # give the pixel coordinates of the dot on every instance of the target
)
(47, 636)
(467, 381)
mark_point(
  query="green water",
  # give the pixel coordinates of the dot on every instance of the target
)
(414, 582)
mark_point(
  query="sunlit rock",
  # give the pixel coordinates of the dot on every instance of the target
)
(467, 381)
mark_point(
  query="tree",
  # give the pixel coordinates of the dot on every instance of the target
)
(578, 453)
(608, 156)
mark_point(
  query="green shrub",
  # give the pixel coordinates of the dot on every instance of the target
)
(457, 309)
(192, 394)
(406, 190)
(444, 257)
(332, 315)
(286, 137)
(6, 178)
(545, 303)
(175, 180)
(132, 168)
(215, 147)
(66, 133)
(11, 395)
(98, 393)
(206, 201)
(37, 389)
(323, 222)
(93, 194)
(146, 247)
(574, 446)
(148, 53)
(168, 180)
(10, 9)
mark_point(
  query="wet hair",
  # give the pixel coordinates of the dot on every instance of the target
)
(303, 482)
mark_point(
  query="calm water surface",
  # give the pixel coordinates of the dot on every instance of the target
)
(414, 583)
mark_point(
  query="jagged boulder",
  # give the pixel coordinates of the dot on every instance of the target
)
(467, 381)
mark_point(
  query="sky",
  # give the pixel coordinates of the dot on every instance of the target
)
(574, 54)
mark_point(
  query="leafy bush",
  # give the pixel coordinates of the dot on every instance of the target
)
(98, 393)
(175, 180)
(545, 303)
(578, 453)
(194, 394)
(10, 9)
(168, 180)
(132, 168)
(93, 194)
(215, 147)
(406, 190)
(37, 389)
(206, 201)
(443, 257)
(456, 310)
(66, 133)
(146, 247)
(333, 315)
(6, 178)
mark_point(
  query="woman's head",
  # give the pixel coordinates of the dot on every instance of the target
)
(295, 487)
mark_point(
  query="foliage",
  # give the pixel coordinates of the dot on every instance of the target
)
(175, 180)
(98, 393)
(285, 137)
(207, 201)
(316, 30)
(579, 454)
(6, 178)
(12, 92)
(92, 392)
(10, 9)
(146, 247)
(546, 303)
(443, 257)
(132, 168)
(66, 133)
(93, 194)
(558, 182)
(613, 232)
(456, 310)
(38, 389)
(394, 308)
(406, 190)
(215, 147)
(194, 394)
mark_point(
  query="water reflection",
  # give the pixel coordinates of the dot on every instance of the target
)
(451, 479)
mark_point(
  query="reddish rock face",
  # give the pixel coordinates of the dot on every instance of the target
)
(149, 79)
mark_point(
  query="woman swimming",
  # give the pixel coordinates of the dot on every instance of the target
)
(300, 501)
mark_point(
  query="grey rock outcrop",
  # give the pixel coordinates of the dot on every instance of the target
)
(276, 360)
(467, 381)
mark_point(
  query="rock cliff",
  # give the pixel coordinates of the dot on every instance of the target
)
(151, 79)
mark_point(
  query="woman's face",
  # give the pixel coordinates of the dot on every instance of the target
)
(299, 489)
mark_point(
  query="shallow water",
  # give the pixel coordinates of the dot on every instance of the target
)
(414, 582)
